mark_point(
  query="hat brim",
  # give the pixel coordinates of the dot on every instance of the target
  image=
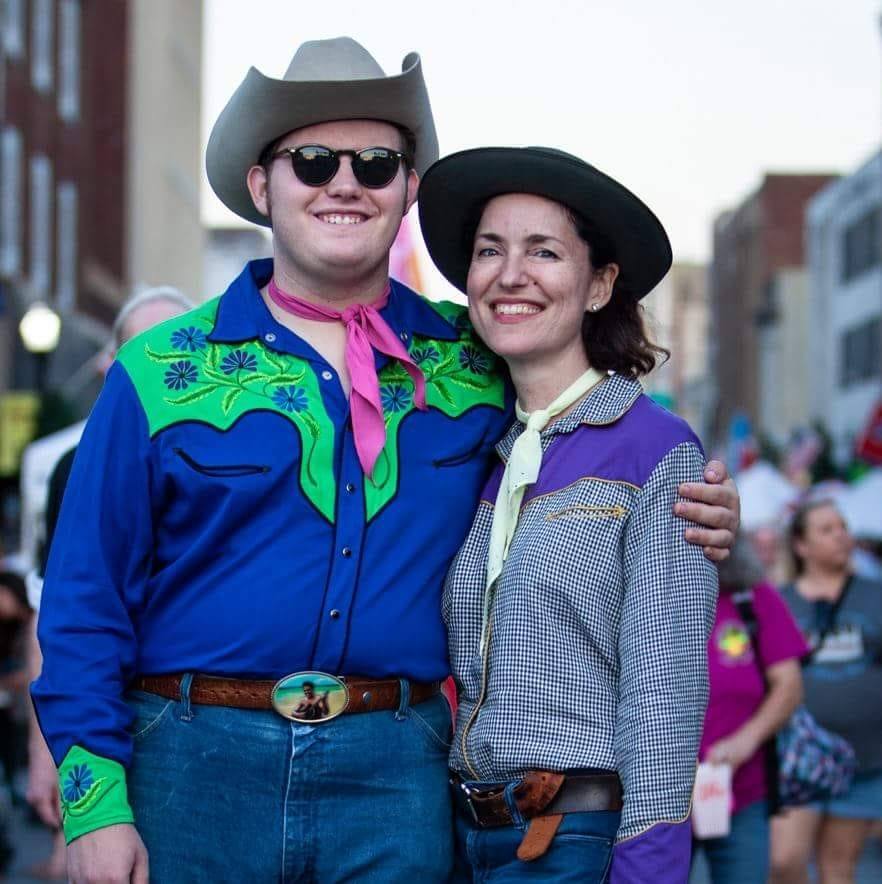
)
(454, 190)
(263, 109)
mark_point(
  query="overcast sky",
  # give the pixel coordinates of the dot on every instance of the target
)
(686, 103)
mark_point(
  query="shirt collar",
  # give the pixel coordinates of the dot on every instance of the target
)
(239, 313)
(409, 314)
(604, 404)
(242, 314)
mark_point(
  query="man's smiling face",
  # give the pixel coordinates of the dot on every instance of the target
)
(342, 230)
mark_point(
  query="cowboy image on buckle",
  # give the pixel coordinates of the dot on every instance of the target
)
(312, 697)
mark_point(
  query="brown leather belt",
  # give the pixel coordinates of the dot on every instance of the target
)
(540, 793)
(365, 694)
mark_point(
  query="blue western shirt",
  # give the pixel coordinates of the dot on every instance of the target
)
(217, 519)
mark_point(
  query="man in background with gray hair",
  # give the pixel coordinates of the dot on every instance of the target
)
(44, 475)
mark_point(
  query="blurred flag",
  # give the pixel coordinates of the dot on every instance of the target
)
(805, 446)
(869, 443)
(403, 260)
(741, 449)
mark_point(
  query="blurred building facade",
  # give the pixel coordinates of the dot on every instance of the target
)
(758, 258)
(99, 164)
(678, 317)
(844, 251)
(783, 358)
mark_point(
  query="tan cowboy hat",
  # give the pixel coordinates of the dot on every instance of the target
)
(326, 80)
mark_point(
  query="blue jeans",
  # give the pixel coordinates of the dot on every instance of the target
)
(581, 850)
(742, 857)
(230, 795)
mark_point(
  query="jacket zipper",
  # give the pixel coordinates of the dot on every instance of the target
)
(481, 697)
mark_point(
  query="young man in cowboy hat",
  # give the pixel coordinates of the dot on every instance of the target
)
(268, 493)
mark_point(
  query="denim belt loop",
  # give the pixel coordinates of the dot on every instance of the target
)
(186, 683)
(404, 686)
(516, 817)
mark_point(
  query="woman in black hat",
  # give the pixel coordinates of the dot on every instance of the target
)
(577, 613)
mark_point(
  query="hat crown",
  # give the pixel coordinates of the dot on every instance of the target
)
(341, 58)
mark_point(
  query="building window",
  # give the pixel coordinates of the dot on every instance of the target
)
(13, 28)
(42, 38)
(861, 353)
(862, 245)
(10, 201)
(66, 242)
(40, 240)
(69, 60)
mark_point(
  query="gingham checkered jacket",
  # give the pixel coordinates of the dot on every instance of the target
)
(600, 619)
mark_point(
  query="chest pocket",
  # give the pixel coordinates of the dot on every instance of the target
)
(482, 450)
(220, 470)
(582, 511)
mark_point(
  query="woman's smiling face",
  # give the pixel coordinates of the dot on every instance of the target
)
(531, 281)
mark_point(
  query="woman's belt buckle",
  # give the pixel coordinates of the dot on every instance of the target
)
(310, 697)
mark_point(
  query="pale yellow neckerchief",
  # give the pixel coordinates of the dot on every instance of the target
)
(522, 470)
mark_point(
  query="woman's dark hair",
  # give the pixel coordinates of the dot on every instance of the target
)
(799, 525)
(742, 569)
(615, 338)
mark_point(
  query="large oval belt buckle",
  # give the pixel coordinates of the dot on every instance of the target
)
(310, 697)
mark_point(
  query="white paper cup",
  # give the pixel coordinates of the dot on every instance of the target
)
(712, 801)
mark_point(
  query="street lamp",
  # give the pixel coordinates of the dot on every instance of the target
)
(40, 329)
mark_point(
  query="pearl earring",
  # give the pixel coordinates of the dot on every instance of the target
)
(595, 307)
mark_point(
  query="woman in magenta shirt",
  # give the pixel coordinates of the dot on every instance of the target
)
(750, 700)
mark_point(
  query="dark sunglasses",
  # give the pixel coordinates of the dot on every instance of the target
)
(316, 165)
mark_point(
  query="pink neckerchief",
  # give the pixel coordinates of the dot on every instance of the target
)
(366, 331)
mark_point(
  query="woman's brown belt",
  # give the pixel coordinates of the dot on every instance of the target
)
(542, 797)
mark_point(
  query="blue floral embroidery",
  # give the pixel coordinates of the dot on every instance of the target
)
(394, 398)
(180, 375)
(474, 360)
(462, 321)
(425, 354)
(79, 781)
(291, 398)
(188, 339)
(238, 360)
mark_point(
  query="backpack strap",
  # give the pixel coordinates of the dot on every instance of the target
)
(743, 601)
(825, 624)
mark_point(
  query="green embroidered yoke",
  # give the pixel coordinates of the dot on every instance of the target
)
(181, 375)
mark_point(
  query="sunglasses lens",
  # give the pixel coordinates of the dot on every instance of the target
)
(375, 167)
(314, 165)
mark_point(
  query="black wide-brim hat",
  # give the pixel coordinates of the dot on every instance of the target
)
(454, 191)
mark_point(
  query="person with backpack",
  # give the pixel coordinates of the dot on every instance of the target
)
(841, 614)
(755, 685)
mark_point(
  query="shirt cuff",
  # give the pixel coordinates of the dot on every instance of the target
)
(93, 793)
(660, 854)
